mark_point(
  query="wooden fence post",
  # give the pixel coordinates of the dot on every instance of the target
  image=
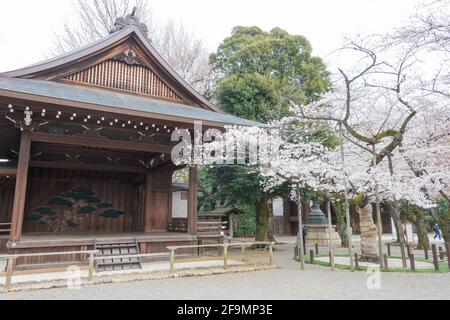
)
(91, 267)
(389, 249)
(441, 254)
(317, 249)
(386, 263)
(271, 254)
(427, 255)
(435, 257)
(9, 273)
(410, 251)
(311, 255)
(413, 262)
(172, 261)
(225, 256)
(447, 247)
(356, 261)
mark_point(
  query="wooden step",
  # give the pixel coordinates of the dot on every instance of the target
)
(107, 250)
(132, 262)
(115, 246)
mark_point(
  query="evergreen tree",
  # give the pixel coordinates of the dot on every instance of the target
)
(262, 74)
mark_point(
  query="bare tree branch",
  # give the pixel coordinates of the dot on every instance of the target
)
(94, 19)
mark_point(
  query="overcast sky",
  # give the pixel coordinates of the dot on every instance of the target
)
(27, 27)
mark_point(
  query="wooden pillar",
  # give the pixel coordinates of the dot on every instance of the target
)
(192, 200)
(21, 186)
(287, 217)
(148, 211)
(231, 225)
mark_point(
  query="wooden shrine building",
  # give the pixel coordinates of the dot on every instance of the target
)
(85, 149)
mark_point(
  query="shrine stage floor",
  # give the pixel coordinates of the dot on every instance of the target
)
(39, 240)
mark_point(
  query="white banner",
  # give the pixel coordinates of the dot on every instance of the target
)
(394, 230)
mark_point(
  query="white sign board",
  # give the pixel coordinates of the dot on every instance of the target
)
(394, 230)
(409, 234)
(278, 207)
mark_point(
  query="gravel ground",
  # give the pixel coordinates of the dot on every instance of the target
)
(286, 283)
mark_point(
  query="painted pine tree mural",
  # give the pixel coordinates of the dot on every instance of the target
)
(70, 209)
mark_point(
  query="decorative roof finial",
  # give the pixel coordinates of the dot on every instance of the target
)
(130, 20)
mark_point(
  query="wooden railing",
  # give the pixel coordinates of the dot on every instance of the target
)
(225, 253)
(224, 256)
(11, 258)
(133, 256)
(5, 228)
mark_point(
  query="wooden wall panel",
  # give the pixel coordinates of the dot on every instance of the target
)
(139, 204)
(279, 226)
(6, 202)
(124, 197)
(120, 75)
(163, 178)
(118, 194)
(155, 203)
(160, 217)
(3, 242)
(291, 217)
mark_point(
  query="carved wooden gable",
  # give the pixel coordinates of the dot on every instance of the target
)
(125, 72)
(124, 61)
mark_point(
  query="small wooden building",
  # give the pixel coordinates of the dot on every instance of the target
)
(285, 218)
(224, 217)
(85, 149)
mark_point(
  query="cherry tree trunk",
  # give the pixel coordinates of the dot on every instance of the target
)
(422, 232)
(369, 234)
(341, 223)
(445, 226)
(395, 211)
(264, 212)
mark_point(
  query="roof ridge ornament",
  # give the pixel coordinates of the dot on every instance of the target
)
(130, 20)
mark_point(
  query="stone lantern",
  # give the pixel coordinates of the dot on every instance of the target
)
(318, 232)
(316, 217)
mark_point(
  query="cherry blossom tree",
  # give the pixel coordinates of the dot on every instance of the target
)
(377, 107)
(425, 151)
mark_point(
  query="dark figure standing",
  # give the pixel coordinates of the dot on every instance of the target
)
(305, 234)
(437, 231)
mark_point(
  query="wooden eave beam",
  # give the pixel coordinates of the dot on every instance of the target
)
(86, 167)
(100, 143)
(27, 99)
(6, 172)
(86, 152)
